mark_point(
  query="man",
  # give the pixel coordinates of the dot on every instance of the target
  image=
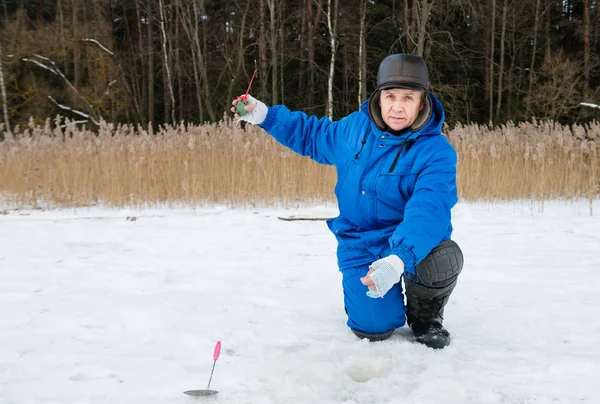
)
(396, 187)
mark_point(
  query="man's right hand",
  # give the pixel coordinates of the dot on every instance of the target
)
(256, 111)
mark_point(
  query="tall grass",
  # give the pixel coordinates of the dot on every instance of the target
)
(123, 165)
(535, 160)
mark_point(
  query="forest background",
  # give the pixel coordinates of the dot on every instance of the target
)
(87, 85)
(167, 61)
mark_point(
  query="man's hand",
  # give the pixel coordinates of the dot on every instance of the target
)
(383, 275)
(256, 111)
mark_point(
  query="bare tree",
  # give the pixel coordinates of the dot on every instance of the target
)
(273, 31)
(178, 62)
(61, 30)
(534, 50)
(131, 99)
(415, 22)
(362, 53)
(491, 79)
(514, 81)
(76, 47)
(191, 21)
(502, 55)
(3, 90)
(5, 11)
(262, 50)
(586, 46)
(596, 24)
(424, 10)
(548, 11)
(303, 37)
(190, 26)
(408, 42)
(281, 49)
(556, 92)
(332, 19)
(313, 18)
(150, 39)
(237, 55)
(144, 88)
(166, 60)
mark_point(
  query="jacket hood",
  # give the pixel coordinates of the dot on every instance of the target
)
(432, 127)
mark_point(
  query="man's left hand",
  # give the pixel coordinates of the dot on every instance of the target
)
(383, 275)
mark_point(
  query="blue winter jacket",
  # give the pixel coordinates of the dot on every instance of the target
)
(386, 207)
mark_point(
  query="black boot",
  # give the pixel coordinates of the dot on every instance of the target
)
(425, 310)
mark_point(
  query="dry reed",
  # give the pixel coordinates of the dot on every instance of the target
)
(122, 165)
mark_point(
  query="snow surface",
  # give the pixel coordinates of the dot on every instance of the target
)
(95, 308)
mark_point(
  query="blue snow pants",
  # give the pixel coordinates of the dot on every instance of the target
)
(368, 315)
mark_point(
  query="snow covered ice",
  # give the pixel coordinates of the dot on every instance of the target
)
(95, 308)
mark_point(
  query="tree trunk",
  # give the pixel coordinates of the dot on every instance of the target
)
(407, 30)
(61, 28)
(548, 54)
(198, 83)
(414, 26)
(313, 22)
(84, 33)
(192, 31)
(273, 31)
(422, 19)
(281, 48)
(144, 92)
(133, 73)
(3, 93)
(511, 85)
(332, 27)
(586, 46)
(262, 51)
(169, 102)
(150, 22)
(5, 11)
(239, 64)
(19, 18)
(362, 53)
(311, 55)
(76, 47)
(200, 51)
(346, 79)
(534, 50)
(596, 26)
(501, 68)
(395, 21)
(492, 49)
(302, 63)
(178, 63)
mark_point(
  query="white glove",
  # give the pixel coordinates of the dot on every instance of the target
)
(386, 274)
(256, 111)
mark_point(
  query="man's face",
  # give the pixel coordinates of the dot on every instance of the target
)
(400, 107)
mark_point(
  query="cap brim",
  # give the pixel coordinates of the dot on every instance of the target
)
(408, 86)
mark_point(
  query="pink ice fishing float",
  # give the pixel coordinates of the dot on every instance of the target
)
(208, 391)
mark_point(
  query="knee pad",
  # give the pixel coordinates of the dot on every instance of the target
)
(441, 267)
